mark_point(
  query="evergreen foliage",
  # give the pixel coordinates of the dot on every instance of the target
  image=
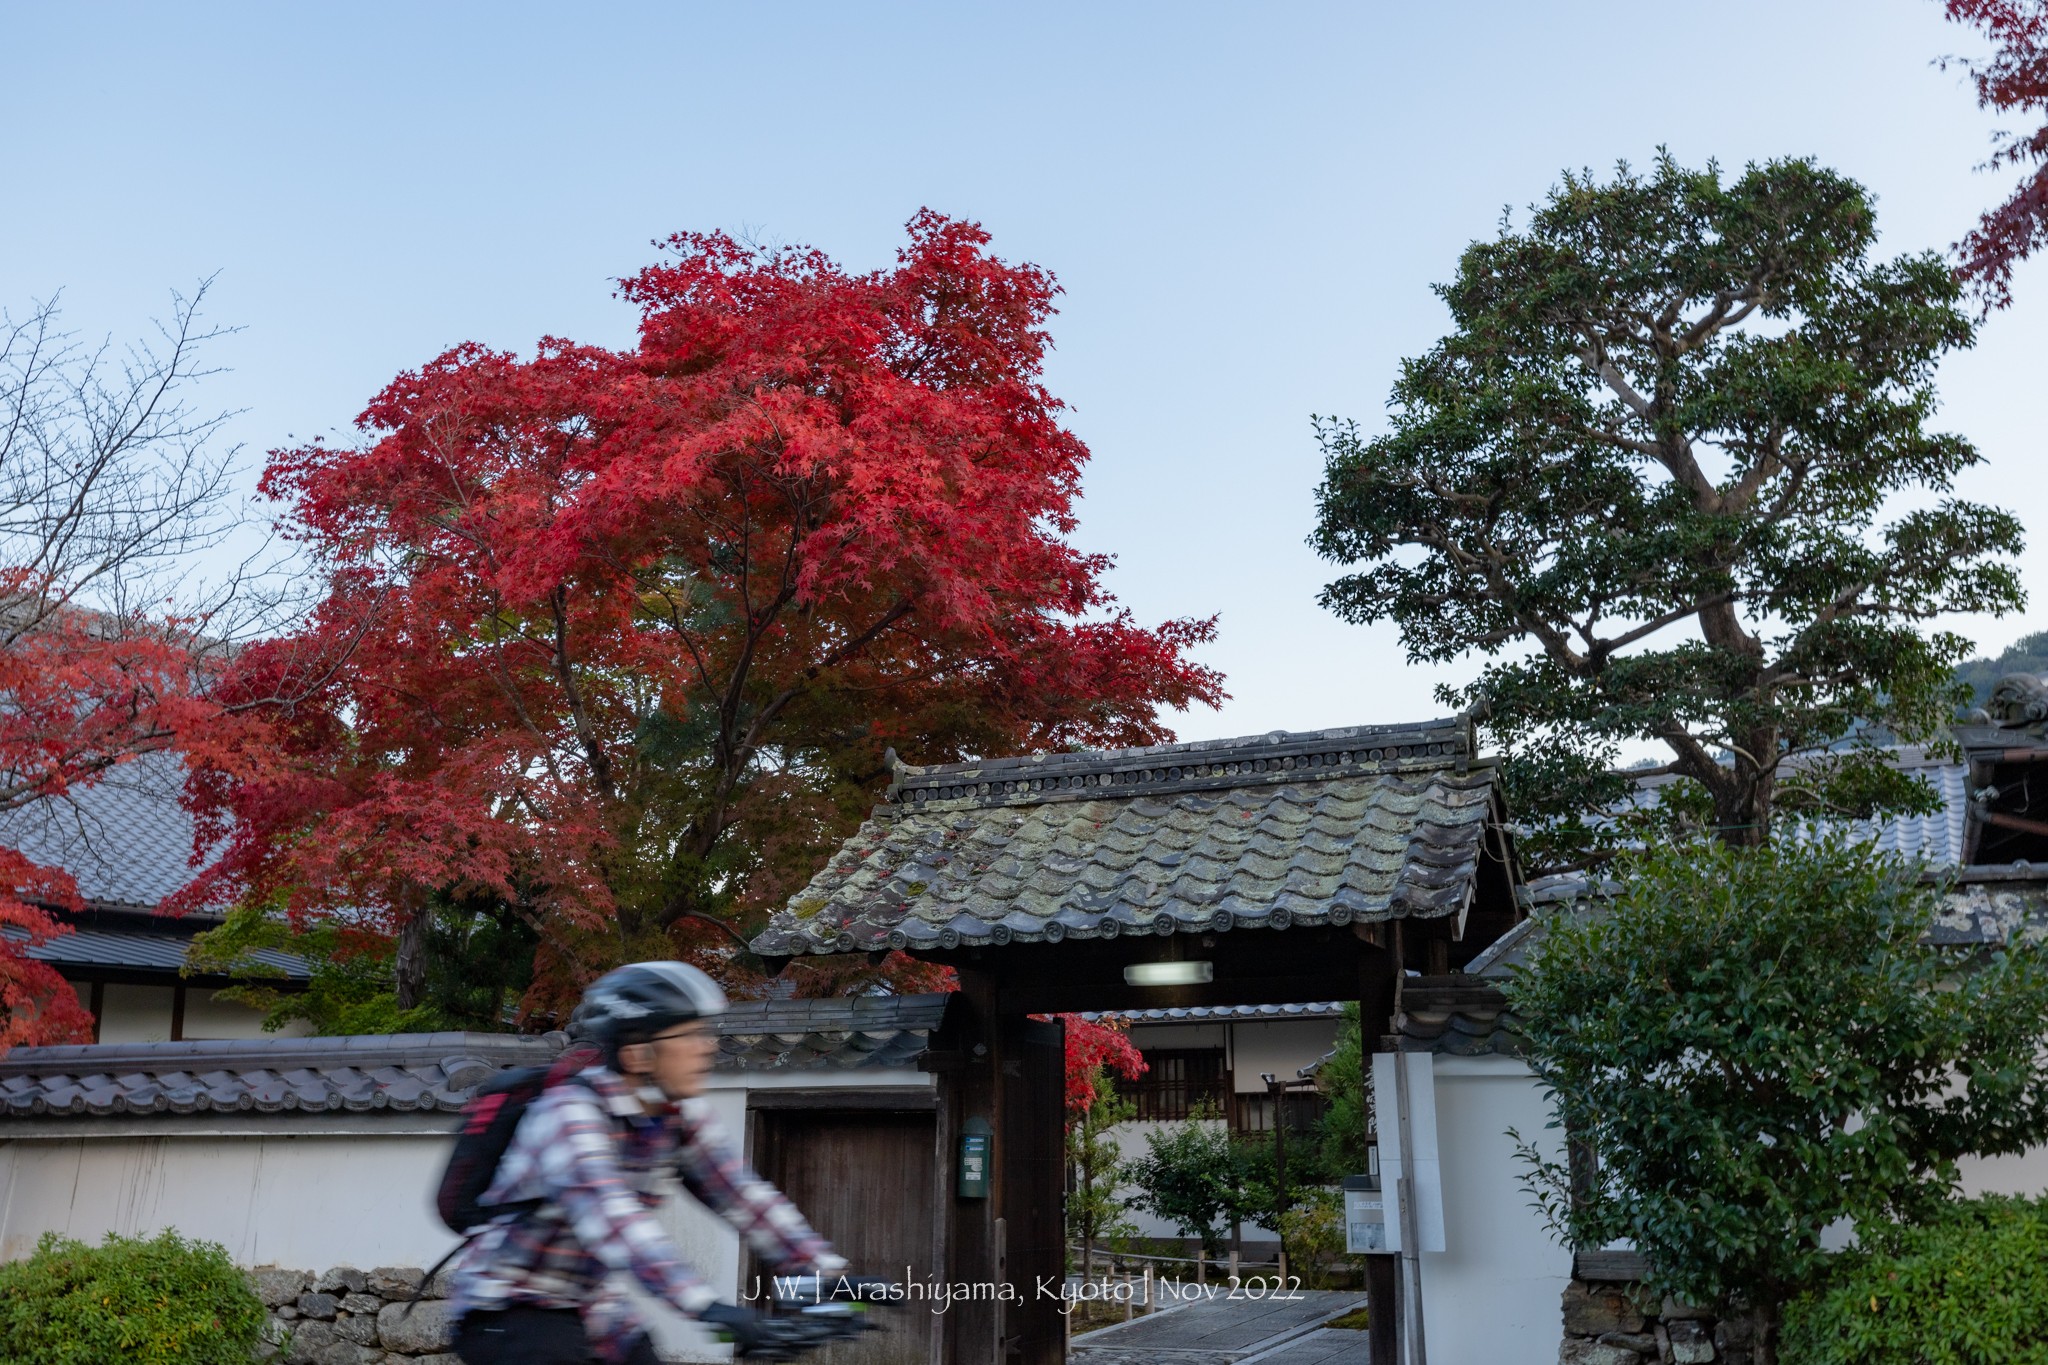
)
(1749, 1046)
(1969, 1287)
(160, 1301)
(1654, 475)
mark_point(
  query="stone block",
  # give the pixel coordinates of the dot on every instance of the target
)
(437, 1288)
(427, 1328)
(1734, 1331)
(347, 1353)
(361, 1303)
(321, 1306)
(343, 1279)
(1690, 1344)
(308, 1337)
(396, 1281)
(1583, 1352)
(1642, 1343)
(1673, 1311)
(1590, 1311)
(358, 1328)
(288, 1312)
(276, 1287)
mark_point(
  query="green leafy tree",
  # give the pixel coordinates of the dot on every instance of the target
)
(156, 1301)
(1341, 1132)
(478, 960)
(1752, 1044)
(1967, 1288)
(1651, 474)
(1196, 1177)
(1094, 1166)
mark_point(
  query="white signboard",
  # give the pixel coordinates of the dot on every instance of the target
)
(1421, 1168)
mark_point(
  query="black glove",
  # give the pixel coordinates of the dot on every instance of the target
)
(748, 1331)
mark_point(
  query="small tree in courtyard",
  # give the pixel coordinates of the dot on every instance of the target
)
(1094, 1049)
(1650, 473)
(1752, 1045)
(1094, 1165)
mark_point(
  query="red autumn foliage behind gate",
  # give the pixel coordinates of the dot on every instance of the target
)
(620, 638)
(2013, 80)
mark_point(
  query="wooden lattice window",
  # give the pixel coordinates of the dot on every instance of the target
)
(1177, 1079)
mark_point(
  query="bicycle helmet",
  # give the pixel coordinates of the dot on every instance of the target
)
(633, 1003)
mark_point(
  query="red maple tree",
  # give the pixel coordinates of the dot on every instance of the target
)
(621, 637)
(2014, 79)
(1096, 1047)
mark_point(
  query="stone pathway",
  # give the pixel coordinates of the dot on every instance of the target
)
(1223, 1331)
(1327, 1346)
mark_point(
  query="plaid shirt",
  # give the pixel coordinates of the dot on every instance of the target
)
(596, 1157)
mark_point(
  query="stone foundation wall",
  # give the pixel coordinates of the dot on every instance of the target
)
(1608, 1323)
(346, 1316)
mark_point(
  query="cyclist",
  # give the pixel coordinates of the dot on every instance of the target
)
(534, 1287)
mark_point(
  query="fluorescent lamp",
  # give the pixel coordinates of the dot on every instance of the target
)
(1169, 973)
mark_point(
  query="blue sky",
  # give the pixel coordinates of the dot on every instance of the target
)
(1246, 205)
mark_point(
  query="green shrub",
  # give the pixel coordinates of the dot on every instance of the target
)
(1313, 1231)
(164, 1301)
(1968, 1288)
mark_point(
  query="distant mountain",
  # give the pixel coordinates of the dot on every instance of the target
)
(2027, 655)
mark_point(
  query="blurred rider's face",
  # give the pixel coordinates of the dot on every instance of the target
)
(676, 1062)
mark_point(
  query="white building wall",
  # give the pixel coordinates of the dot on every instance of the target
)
(1494, 1295)
(142, 1014)
(2024, 1174)
(1280, 1047)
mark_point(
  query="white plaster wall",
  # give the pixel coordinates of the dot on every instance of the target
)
(2024, 1174)
(209, 1016)
(142, 1014)
(304, 1201)
(135, 1014)
(1177, 1035)
(1493, 1295)
(1279, 1046)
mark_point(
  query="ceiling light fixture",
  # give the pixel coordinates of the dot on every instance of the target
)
(1169, 973)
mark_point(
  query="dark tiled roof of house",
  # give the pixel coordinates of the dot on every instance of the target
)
(1325, 827)
(138, 941)
(124, 839)
(1458, 1015)
(423, 1071)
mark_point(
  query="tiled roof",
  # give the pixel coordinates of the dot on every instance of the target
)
(844, 1032)
(139, 942)
(1458, 1015)
(125, 839)
(1193, 1014)
(424, 1071)
(1935, 839)
(1326, 827)
(416, 1071)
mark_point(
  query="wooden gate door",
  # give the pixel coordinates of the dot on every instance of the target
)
(866, 1179)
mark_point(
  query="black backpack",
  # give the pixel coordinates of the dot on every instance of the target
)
(488, 1122)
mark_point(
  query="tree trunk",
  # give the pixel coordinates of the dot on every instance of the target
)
(411, 971)
(1742, 802)
(1770, 1315)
